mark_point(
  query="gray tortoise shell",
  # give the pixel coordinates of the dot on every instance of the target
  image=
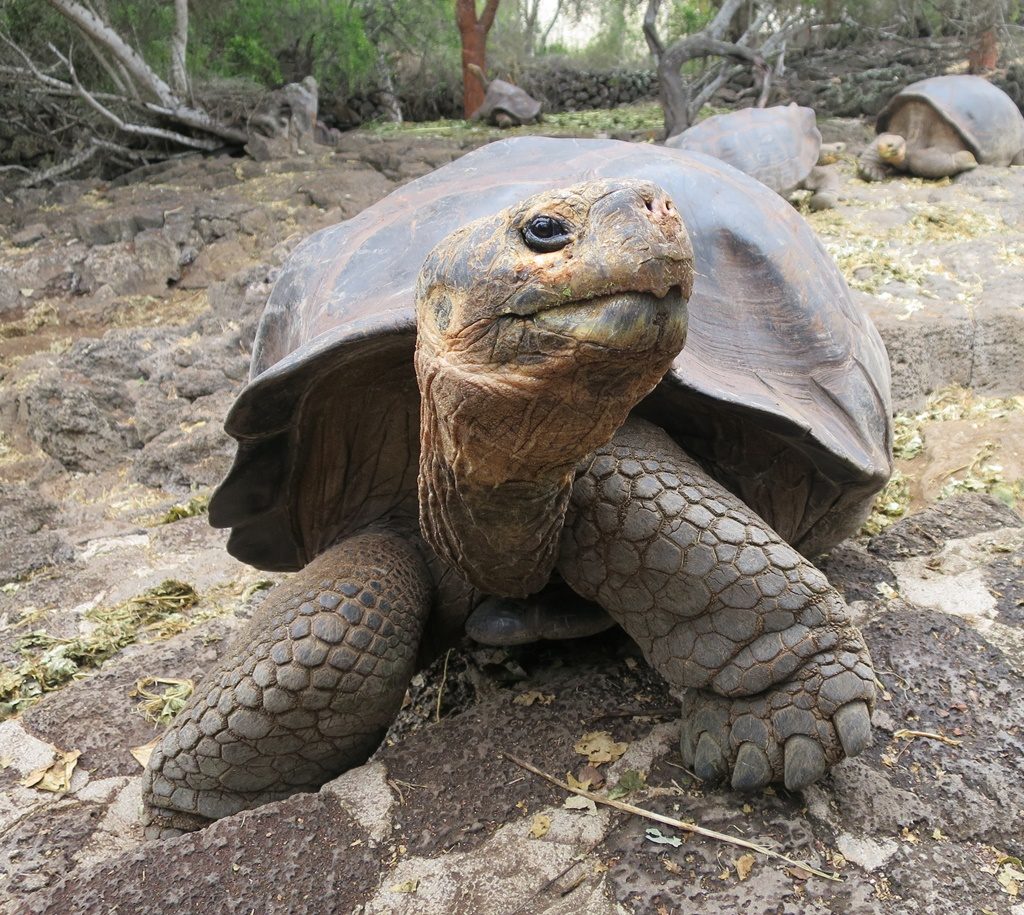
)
(778, 146)
(783, 383)
(509, 98)
(987, 119)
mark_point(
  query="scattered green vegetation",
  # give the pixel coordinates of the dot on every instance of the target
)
(162, 698)
(197, 505)
(982, 474)
(49, 662)
(871, 257)
(636, 117)
(890, 505)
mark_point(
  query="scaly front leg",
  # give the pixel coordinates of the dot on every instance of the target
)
(308, 690)
(780, 682)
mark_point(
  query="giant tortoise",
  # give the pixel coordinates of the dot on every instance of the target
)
(505, 104)
(778, 146)
(942, 126)
(479, 382)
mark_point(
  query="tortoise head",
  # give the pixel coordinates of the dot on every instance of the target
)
(892, 148)
(538, 330)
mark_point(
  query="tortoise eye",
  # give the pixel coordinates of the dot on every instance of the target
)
(545, 233)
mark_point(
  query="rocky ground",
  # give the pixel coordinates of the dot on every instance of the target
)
(126, 315)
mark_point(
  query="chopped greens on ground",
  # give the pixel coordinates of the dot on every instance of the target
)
(983, 473)
(49, 662)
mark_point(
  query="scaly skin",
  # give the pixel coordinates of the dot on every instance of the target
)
(779, 680)
(307, 690)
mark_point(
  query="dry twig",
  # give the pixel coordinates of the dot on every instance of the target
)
(671, 821)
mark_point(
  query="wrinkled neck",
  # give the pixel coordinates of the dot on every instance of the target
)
(502, 537)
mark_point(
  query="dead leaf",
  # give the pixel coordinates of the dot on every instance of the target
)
(143, 753)
(56, 776)
(591, 774)
(533, 696)
(631, 781)
(655, 835)
(798, 873)
(744, 864)
(409, 886)
(541, 825)
(576, 783)
(575, 802)
(599, 747)
(1010, 879)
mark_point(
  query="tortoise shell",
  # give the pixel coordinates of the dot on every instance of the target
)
(986, 118)
(782, 387)
(509, 99)
(777, 146)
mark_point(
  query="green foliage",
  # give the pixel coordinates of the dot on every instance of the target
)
(275, 42)
(688, 16)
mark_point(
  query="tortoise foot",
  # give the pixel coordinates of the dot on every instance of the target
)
(306, 693)
(791, 733)
(871, 168)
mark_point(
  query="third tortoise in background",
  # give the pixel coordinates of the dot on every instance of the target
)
(942, 126)
(480, 378)
(778, 146)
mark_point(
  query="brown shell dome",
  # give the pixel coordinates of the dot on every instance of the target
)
(782, 386)
(986, 118)
(778, 146)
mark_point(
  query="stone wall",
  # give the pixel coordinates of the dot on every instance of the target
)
(846, 82)
(561, 87)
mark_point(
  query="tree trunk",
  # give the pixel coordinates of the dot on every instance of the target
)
(386, 87)
(675, 100)
(473, 32)
(984, 55)
(179, 48)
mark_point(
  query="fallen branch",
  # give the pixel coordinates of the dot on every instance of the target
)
(671, 821)
(62, 167)
(904, 734)
(139, 130)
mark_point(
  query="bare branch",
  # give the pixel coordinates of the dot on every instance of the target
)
(554, 18)
(720, 24)
(45, 79)
(654, 43)
(486, 19)
(89, 23)
(62, 167)
(124, 86)
(133, 129)
(199, 120)
(179, 46)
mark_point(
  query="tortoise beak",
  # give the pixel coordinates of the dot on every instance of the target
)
(628, 321)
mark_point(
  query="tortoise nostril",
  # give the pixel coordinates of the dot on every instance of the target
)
(661, 210)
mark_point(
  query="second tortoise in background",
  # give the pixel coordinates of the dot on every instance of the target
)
(778, 146)
(942, 126)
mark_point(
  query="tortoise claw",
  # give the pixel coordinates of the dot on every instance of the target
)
(752, 770)
(853, 727)
(708, 762)
(804, 762)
